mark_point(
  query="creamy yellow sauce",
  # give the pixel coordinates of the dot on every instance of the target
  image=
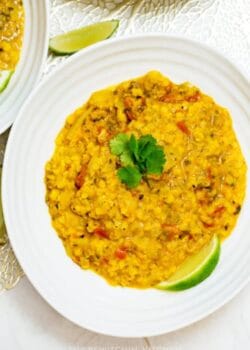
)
(139, 237)
(11, 33)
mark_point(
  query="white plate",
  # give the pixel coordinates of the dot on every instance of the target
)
(29, 68)
(82, 296)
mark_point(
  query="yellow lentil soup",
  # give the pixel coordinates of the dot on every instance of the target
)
(11, 33)
(138, 237)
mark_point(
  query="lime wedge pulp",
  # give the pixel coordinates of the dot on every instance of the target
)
(195, 269)
(78, 39)
(5, 76)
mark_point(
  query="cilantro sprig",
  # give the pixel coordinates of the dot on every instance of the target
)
(138, 158)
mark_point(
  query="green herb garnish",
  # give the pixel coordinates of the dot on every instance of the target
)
(138, 157)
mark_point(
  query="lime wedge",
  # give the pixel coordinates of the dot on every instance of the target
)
(5, 76)
(195, 269)
(78, 39)
(2, 225)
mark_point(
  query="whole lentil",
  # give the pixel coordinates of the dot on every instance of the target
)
(11, 33)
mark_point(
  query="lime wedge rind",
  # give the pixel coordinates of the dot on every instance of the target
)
(75, 40)
(198, 274)
(5, 76)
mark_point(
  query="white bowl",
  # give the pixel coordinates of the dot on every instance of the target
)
(81, 296)
(29, 68)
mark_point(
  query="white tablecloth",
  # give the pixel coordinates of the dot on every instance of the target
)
(26, 320)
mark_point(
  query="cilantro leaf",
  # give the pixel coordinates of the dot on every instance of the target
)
(146, 151)
(130, 176)
(126, 158)
(138, 158)
(145, 139)
(155, 161)
(119, 144)
(146, 146)
(133, 147)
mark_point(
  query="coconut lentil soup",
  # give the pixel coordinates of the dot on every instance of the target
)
(138, 235)
(11, 33)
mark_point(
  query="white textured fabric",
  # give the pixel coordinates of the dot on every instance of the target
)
(29, 322)
(222, 24)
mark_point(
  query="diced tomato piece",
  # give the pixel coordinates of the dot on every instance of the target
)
(79, 180)
(101, 232)
(168, 98)
(143, 101)
(104, 260)
(183, 127)
(203, 202)
(130, 115)
(128, 102)
(194, 98)
(121, 253)
(218, 211)
(171, 230)
(209, 173)
(207, 225)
